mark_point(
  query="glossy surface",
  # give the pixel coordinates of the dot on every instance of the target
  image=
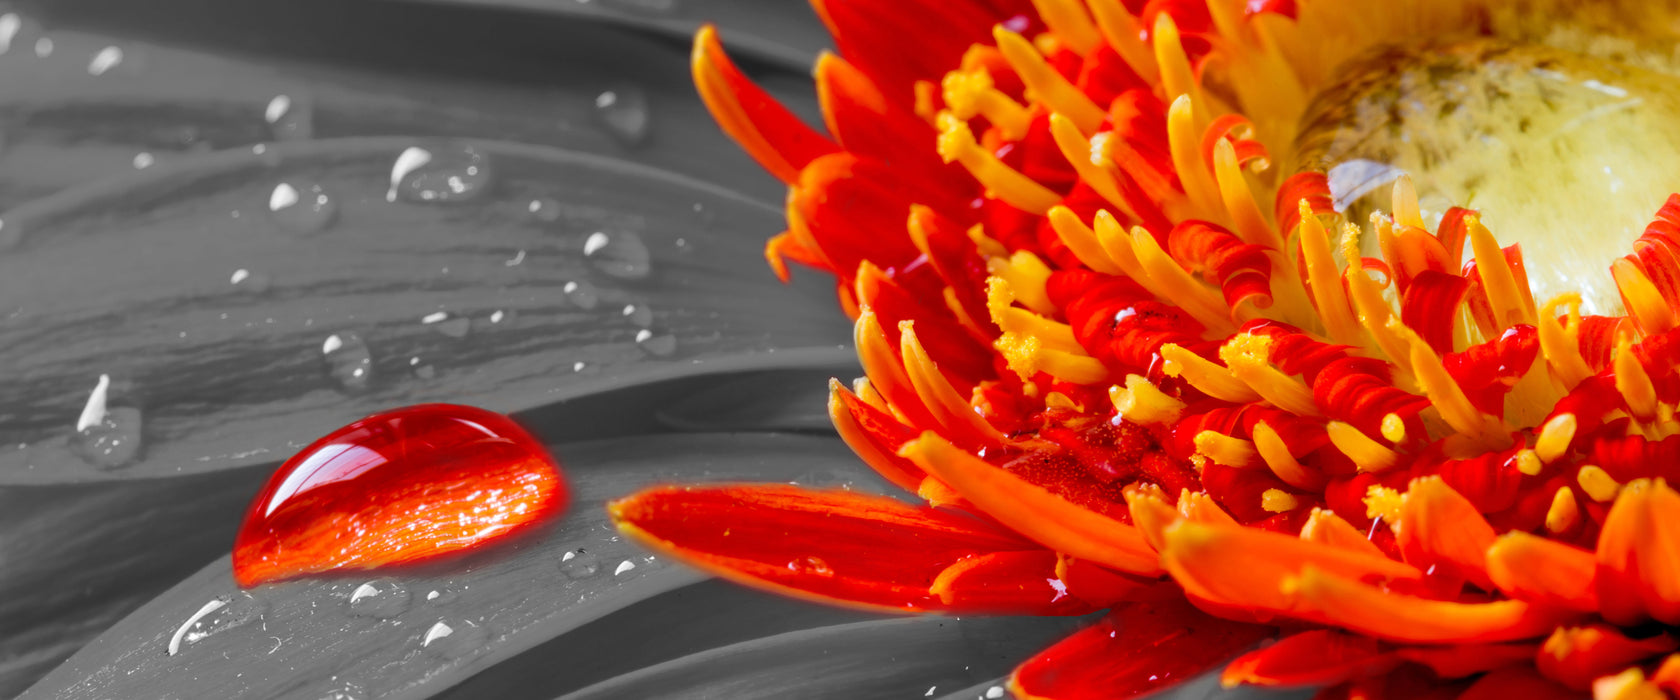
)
(400, 487)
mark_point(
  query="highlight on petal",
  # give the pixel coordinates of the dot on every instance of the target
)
(1008, 583)
(1370, 610)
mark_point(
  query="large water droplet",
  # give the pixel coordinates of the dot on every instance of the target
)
(450, 172)
(454, 639)
(290, 118)
(580, 564)
(108, 437)
(106, 59)
(11, 25)
(620, 254)
(656, 343)
(302, 207)
(814, 566)
(219, 615)
(405, 486)
(624, 111)
(381, 598)
(581, 293)
(349, 361)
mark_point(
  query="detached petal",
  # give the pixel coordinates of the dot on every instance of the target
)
(1137, 649)
(840, 547)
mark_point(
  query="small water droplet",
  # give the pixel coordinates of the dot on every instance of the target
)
(579, 366)
(656, 343)
(814, 566)
(545, 210)
(639, 314)
(221, 614)
(452, 326)
(382, 598)
(108, 437)
(441, 596)
(302, 207)
(579, 564)
(11, 23)
(248, 281)
(621, 254)
(450, 172)
(349, 361)
(290, 118)
(581, 293)
(345, 691)
(454, 639)
(143, 160)
(624, 111)
(106, 59)
(624, 567)
(43, 47)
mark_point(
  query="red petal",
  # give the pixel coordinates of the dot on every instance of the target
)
(1575, 656)
(774, 137)
(1519, 682)
(874, 435)
(1137, 649)
(1463, 660)
(840, 547)
(1008, 583)
(1316, 657)
(1639, 556)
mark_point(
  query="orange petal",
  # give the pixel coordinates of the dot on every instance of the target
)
(828, 546)
(873, 435)
(1007, 583)
(1247, 568)
(1438, 528)
(1033, 511)
(1639, 555)
(1140, 648)
(1576, 656)
(1464, 660)
(1315, 657)
(1095, 584)
(1333, 599)
(1326, 528)
(764, 128)
(1543, 571)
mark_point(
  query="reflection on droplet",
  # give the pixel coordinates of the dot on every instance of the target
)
(624, 111)
(349, 362)
(106, 59)
(639, 314)
(810, 565)
(345, 691)
(441, 596)
(217, 616)
(452, 326)
(248, 281)
(624, 567)
(381, 598)
(302, 207)
(581, 293)
(621, 254)
(421, 369)
(108, 437)
(10, 24)
(655, 343)
(545, 210)
(580, 564)
(143, 160)
(290, 118)
(452, 172)
(454, 639)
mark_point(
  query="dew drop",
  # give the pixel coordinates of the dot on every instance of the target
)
(639, 315)
(814, 566)
(10, 25)
(452, 326)
(579, 565)
(454, 639)
(221, 614)
(349, 362)
(621, 254)
(583, 294)
(451, 172)
(382, 598)
(345, 691)
(302, 207)
(290, 118)
(143, 160)
(421, 368)
(247, 281)
(624, 567)
(441, 596)
(106, 59)
(545, 210)
(43, 47)
(108, 437)
(624, 112)
(656, 343)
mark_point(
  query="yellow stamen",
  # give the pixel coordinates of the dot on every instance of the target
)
(1555, 437)
(1068, 20)
(1000, 299)
(1209, 378)
(1027, 276)
(1276, 453)
(1224, 449)
(1368, 455)
(1643, 301)
(883, 368)
(1560, 345)
(1327, 291)
(1564, 513)
(1197, 299)
(1627, 685)
(1406, 212)
(1144, 403)
(1634, 383)
(1528, 462)
(956, 143)
(1249, 358)
(1117, 243)
(1177, 78)
(1027, 356)
(867, 392)
(942, 400)
(1122, 30)
(1383, 502)
(1081, 240)
(1239, 199)
(1443, 391)
(1057, 399)
(1373, 312)
(1094, 168)
(1511, 304)
(1598, 484)
(1278, 501)
(988, 247)
(1184, 140)
(971, 93)
(1045, 83)
(1393, 428)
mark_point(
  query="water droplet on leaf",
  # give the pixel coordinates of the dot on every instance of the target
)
(620, 254)
(399, 487)
(656, 343)
(453, 639)
(219, 615)
(451, 172)
(108, 437)
(381, 598)
(581, 293)
(349, 362)
(290, 118)
(248, 281)
(302, 207)
(106, 59)
(639, 315)
(624, 111)
(545, 210)
(579, 564)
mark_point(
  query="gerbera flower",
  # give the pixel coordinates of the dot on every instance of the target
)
(1135, 333)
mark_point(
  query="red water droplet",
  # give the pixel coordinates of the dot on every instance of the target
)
(404, 486)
